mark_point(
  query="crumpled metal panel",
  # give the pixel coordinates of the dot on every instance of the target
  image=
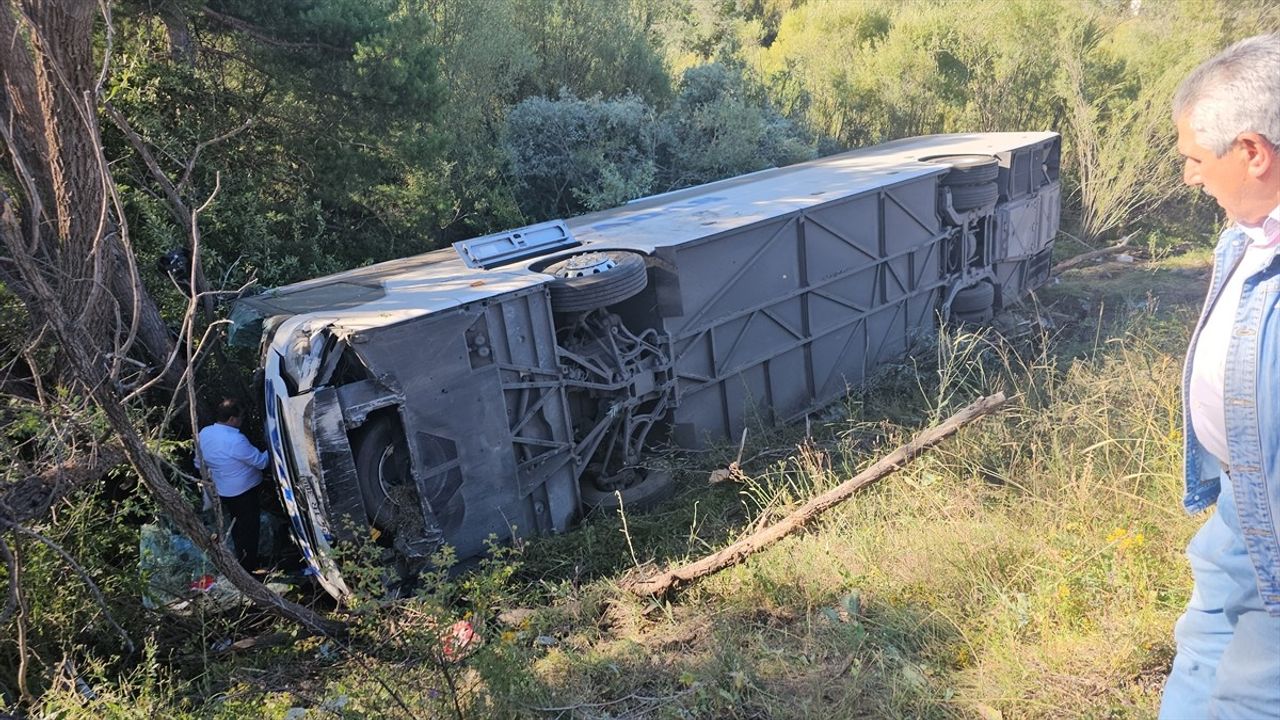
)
(468, 407)
(337, 468)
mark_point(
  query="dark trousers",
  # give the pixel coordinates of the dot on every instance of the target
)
(242, 511)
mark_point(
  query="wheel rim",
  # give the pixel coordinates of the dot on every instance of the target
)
(595, 279)
(586, 264)
(388, 473)
(382, 467)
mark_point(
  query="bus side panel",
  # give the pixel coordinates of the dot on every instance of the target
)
(1026, 220)
(777, 319)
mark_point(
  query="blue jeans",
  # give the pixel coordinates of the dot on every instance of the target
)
(1228, 661)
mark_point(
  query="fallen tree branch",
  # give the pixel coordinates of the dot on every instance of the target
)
(1083, 258)
(662, 583)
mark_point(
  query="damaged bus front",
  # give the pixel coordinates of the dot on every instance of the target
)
(500, 386)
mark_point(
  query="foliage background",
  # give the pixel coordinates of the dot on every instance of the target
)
(383, 128)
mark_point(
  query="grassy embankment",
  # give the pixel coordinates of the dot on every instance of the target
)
(1030, 567)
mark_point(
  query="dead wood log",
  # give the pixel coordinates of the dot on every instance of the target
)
(662, 583)
(1083, 258)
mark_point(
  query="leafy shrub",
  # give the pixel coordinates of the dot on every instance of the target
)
(571, 153)
(716, 129)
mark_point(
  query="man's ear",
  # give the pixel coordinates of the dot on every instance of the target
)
(1260, 154)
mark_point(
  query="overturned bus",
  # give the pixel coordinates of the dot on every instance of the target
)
(502, 385)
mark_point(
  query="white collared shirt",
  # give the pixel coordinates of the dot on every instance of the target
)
(1208, 367)
(233, 462)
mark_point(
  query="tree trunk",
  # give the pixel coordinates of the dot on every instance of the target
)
(85, 365)
(182, 47)
(48, 88)
(67, 256)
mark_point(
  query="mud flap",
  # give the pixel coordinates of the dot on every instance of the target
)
(341, 484)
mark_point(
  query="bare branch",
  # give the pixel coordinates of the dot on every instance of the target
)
(137, 392)
(56, 151)
(206, 480)
(1083, 258)
(35, 208)
(21, 618)
(109, 37)
(11, 601)
(185, 182)
(177, 207)
(664, 582)
(217, 185)
(265, 38)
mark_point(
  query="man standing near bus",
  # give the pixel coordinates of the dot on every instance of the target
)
(236, 468)
(1228, 662)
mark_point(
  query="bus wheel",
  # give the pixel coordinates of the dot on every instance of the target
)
(592, 280)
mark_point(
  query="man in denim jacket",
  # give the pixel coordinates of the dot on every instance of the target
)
(1228, 661)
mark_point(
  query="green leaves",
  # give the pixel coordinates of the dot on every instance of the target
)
(570, 153)
(344, 97)
(573, 154)
(720, 126)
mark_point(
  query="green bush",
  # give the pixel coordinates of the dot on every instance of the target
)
(572, 153)
(716, 128)
(1101, 73)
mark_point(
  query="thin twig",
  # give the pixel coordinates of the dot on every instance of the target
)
(626, 532)
(185, 181)
(23, 691)
(177, 206)
(11, 601)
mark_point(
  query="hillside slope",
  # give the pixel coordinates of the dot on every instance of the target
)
(1030, 567)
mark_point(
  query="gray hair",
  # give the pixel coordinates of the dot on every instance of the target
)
(1234, 92)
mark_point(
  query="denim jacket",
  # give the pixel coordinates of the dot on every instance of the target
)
(1252, 399)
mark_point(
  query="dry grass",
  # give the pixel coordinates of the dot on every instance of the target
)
(1032, 567)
